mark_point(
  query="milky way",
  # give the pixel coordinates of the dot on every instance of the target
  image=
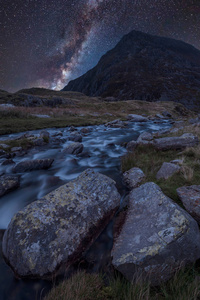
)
(47, 43)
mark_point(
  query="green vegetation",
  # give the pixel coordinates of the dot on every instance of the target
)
(150, 160)
(185, 285)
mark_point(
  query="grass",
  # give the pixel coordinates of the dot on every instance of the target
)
(185, 285)
(150, 160)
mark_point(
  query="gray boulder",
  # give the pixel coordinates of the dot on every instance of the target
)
(116, 124)
(44, 134)
(131, 146)
(31, 165)
(39, 142)
(55, 231)
(157, 238)
(145, 138)
(73, 148)
(75, 137)
(167, 170)
(137, 118)
(133, 177)
(8, 183)
(176, 143)
(190, 196)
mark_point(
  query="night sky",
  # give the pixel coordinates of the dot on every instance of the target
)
(46, 43)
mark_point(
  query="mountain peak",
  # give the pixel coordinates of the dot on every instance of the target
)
(145, 67)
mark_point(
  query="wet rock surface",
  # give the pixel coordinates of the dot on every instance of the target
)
(8, 183)
(60, 226)
(73, 148)
(190, 196)
(30, 165)
(157, 236)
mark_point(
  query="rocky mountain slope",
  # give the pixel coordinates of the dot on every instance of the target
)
(145, 67)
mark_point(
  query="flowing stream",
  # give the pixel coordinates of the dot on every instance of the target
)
(102, 151)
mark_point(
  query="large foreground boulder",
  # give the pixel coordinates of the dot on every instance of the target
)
(157, 236)
(55, 230)
(176, 143)
(190, 196)
(8, 183)
(34, 164)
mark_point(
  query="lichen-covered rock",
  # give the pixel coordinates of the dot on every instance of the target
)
(31, 165)
(157, 238)
(190, 196)
(176, 143)
(73, 148)
(54, 231)
(8, 183)
(133, 177)
(167, 170)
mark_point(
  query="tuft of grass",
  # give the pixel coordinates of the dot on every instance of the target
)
(185, 285)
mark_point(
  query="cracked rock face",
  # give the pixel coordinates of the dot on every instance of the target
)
(157, 236)
(54, 231)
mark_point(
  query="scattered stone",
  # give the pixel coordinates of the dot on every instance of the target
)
(166, 114)
(116, 124)
(131, 146)
(73, 148)
(145, 138)
(16, 149)
(8, 162)
(133, 177)
(39, 142)
(54, 231)
(8, 183)
(86, 130)
(190, 196)
(44, 134)
(4, 146)
(31, 165)
(75, 137)
(167, 170)
(159, 116)
(157, 238)
(177, 161)
(137, 118)
(176, 143)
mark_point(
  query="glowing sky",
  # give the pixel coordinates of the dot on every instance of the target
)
(47, 43)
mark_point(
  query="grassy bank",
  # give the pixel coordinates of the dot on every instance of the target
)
(76, 109)
(185, 285)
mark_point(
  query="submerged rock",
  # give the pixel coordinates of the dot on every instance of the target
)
(73, 148)
(31, 165)
(8, 183)
(190, 196)
(55, 230)
(157, 238)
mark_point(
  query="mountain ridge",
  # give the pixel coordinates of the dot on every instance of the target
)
(145, 67)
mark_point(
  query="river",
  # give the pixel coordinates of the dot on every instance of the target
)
(102, 151)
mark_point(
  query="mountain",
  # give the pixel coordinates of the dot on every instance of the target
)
(145, 67)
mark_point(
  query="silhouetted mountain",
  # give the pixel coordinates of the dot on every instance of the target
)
(145, 67)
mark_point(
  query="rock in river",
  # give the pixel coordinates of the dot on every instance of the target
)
(55, 230)
(73, 148)
(133, 177)
(31, 165)
(8, 183)
(157, 236)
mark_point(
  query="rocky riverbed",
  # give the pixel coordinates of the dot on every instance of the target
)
(56, 157)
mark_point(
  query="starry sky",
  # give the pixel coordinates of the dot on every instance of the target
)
(46, 43)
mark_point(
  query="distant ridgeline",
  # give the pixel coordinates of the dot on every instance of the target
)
(145, 67)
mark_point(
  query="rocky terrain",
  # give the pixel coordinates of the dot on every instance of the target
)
(145, 67)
